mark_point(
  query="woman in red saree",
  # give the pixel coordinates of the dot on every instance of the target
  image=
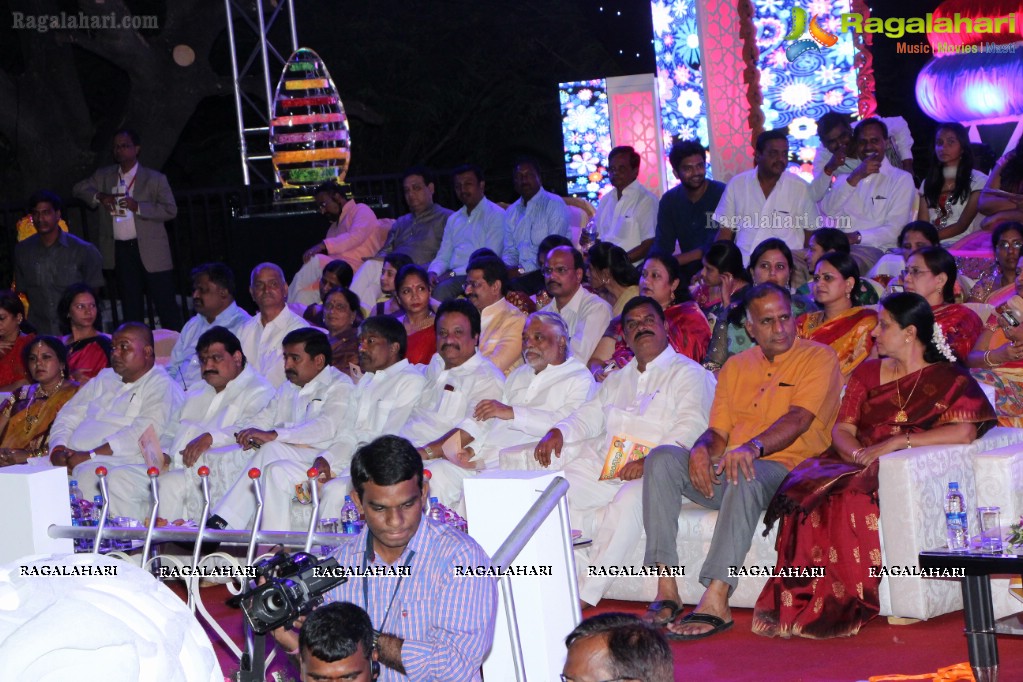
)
(997, 358)
(931, 272)
(828, 505)
(412, 285)
(688, 329)
(841, 323)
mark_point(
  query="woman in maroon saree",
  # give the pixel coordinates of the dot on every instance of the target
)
(828, 505)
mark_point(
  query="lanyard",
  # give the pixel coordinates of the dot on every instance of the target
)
(365, 581)
(127, 190)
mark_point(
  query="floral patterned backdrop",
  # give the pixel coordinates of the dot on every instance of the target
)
(679, 80)
(797, 94)
(587, 133)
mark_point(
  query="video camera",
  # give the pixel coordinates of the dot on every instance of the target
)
(294, 586)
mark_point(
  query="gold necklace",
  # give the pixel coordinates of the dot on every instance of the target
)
(31, 419)
(901, 417)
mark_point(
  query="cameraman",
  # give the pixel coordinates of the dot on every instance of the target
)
(336, 643)
(432, 623)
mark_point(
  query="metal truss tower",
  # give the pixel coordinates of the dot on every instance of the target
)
(256, 58)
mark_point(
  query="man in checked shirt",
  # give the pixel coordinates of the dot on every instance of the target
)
(432, 621)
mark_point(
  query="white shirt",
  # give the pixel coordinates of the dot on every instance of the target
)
(220, 414)
(184, 363)
(587, 316)
(786, 214)
(977, 182)
(465, 232)
(538, 402)
(528, 223)
(630, 220)
(262, 345)
(383, 402)
(878, 207)
(123, 218)
(107, 410)
(450, 396)
(668, 403)
(317, 415)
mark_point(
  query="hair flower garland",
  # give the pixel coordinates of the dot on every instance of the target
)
(938, 338)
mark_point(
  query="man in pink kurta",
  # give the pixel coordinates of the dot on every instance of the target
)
(354, 234)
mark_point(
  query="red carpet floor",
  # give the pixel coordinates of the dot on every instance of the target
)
(738, 654)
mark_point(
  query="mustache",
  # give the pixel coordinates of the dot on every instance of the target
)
(640, 334)
(290, 373)
(211, 372)
(454, 346)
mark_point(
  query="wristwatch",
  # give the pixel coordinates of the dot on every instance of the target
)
(376, 638)
(755, 442)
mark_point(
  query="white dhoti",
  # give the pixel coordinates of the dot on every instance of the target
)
(238, 506)
(305, 285)
(88, 481)
(446, 483)
(366, 284)
(609, 512)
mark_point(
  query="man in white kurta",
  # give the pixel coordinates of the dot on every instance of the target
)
(501, 322)
(230, 397)
(660, 397)
(875, 200)
(457, 379)
(381, 404)
(261, 336)
(103, 422)
(549, 387)
(767, 201)
(309, 416)
(627, 214)
(213, 301)
(587, 315)
(480, 223)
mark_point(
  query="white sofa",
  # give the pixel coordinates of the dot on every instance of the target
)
(912, 491)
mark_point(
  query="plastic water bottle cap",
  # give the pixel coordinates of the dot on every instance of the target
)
(204, 471)
(153, 472)
(953, 485)
(312, 473)
(254, 473)
(427, 474)
(73, 484)
(101, 471)
(433, 501)
(348, 498)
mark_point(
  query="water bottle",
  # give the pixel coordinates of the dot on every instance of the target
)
(956, 523)
(436, 512)
(349, 517)
(588, 235)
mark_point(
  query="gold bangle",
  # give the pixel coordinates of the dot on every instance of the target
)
(987, 358)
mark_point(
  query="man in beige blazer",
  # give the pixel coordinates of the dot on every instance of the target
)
(135, 203)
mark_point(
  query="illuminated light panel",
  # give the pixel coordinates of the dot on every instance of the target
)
(680, 86)
(587, 134)
(973, 88)
(798, 93)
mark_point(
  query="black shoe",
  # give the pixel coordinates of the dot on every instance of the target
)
(217, 523)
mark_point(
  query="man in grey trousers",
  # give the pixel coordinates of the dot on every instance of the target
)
(774, 406)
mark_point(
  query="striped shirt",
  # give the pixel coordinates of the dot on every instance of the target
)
(445, 619)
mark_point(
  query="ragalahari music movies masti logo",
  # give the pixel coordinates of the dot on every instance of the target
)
(799, 28)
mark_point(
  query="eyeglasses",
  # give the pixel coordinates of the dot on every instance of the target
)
(561, 270)
(1005, 246)
(915, 272)
(473, 284)
(336, 307)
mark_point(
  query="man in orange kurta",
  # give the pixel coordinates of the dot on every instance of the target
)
(774, 406)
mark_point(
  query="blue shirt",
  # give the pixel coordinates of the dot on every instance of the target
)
(445, 619)
(183, 366)
(688, 224)
(528, 223)
(465, 232)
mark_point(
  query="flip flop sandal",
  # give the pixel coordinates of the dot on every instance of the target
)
(656, 607)
(718, 625)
